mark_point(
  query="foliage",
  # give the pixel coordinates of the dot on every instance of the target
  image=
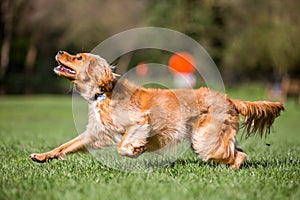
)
(41, 28)
(263, 37)
(243, 37)
(247, 39)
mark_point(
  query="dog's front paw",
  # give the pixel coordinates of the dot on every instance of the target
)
(131, 151)
(39, 157)
(139, 150)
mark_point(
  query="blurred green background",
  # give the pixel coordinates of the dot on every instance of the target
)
(248, 40)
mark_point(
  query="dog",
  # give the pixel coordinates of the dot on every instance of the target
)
(139, 120)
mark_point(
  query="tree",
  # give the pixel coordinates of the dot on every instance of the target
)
(262, 38)
(243, 37)
(36, 30)
(7, 18)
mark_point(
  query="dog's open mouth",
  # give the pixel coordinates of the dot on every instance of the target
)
(65, 71)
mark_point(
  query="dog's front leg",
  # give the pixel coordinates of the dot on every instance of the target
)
(134, 140)
(74, 145)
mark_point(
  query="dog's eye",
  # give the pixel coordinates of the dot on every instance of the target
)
(79, 58)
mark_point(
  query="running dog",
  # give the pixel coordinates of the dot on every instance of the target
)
(139, 120)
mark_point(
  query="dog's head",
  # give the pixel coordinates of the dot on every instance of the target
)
(91, 74)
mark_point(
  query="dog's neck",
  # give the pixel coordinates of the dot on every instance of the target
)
(103, 90)
(119, 89)
(108, 87)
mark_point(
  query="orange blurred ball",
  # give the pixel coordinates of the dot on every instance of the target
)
(182, 62)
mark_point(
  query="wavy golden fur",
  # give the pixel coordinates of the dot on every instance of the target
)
(142, 120)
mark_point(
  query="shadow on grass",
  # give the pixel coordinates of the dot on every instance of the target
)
(195, 162)
(249, 163)
(287, 162)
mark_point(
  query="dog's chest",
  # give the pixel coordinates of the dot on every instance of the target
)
(95, 111)
(105, 117)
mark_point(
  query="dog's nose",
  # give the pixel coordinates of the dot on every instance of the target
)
(60, 52)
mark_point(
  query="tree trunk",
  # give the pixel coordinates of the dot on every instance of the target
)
(7, 18)
(29, 65)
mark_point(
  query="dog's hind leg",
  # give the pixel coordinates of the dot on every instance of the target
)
(239, 160)
(214, 140)
(225, 150)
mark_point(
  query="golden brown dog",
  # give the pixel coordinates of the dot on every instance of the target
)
(145, 120)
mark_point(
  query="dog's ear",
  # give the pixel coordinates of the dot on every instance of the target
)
(91, 69)
(107, 81)
(100, 71)
(96, 67)
(107, 78)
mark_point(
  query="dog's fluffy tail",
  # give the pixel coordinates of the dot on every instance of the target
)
(259, 115)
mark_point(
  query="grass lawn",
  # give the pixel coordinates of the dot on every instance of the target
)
(40, 123)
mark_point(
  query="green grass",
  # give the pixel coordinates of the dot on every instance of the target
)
(40, 123)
